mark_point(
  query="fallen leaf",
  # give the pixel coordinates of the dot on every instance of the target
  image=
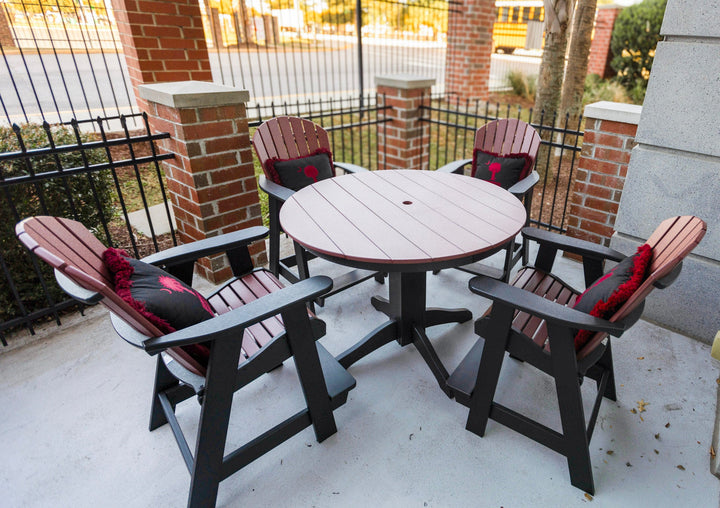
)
(640, 357)
(681, 468)
(698, 442)
(667, 425)
(712, 452)
(642, 419)
(641, 405)
(656, 452)
(628, 464)
(411, 436)
(588, 497)
(657, 436)
(609, 452)
(633, 411)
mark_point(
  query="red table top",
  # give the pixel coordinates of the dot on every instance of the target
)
(410, 219)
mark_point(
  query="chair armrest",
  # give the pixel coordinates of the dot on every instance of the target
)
(524, 185)
(227, 326)
(574, 245)
(275, 190)
(208, 246)
(535, 305)
(350, 168)
(78, 292)
(455, 166)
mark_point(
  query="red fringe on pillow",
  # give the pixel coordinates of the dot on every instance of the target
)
(117, 263)
(616, 300)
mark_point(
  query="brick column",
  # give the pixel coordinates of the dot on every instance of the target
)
(400, 144)
(469, 46)
(211, 181)
(6, 38)
(600, 54)
(609, 138)
(163, 41)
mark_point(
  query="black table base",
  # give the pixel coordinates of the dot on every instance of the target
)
(408, 319)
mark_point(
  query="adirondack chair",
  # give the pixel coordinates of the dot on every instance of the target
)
(534, 320)
(504, 137)
(271, 322)
(282, 139)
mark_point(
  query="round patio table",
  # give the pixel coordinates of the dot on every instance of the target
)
(406, 223)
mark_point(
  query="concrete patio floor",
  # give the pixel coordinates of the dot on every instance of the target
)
(75, 406)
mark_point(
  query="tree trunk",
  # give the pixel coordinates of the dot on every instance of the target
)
(552, 68)
(577, 65)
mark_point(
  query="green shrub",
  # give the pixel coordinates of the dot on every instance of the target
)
(522, 84)
(634, 39)
(53, 197)
(598, 89)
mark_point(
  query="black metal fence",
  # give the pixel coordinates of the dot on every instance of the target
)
(109, 182)
(452, 129)
(61, 59)
(293, 49)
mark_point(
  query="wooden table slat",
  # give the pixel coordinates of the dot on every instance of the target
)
(394, 224)
(341, 236)
(403, 218)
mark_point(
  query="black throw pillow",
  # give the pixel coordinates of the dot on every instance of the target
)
(164, 300)
(301, 172)
(607, 294)
(502, 170)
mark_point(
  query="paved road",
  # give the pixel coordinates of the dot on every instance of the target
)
(96, 82)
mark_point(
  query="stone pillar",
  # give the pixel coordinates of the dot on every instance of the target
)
(211, 181)
(163, 41)
(400, 144)
(675, 166)
(469, 46)
(600, 177)
(600, 53)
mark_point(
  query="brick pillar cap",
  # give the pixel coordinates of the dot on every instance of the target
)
(193, 94)
(614, 111)
(404, 81)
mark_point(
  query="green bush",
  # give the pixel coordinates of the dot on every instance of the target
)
(52, 196)
(522, 84)
(598, 89)
(634, 38)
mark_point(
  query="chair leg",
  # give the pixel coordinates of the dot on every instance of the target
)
(481, 400)
(274, 254)
(163, 381)
(572, 415)
(309, 371)
(606, 362)
(507, 267)
(207, 470)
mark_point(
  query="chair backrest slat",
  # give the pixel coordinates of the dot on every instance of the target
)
(671, 241)
(288, 137)
(508, 135)
(69, 247)
(76, 246)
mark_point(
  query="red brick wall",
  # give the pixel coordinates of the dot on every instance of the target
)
(163, 40)
(599, 179)
(469, 46)
(6, 38)
(600, 54)
(402, 137)
(211, 181)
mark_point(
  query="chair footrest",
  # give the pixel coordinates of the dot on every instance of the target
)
(482, 269)
(462, 380)
(338, 380)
